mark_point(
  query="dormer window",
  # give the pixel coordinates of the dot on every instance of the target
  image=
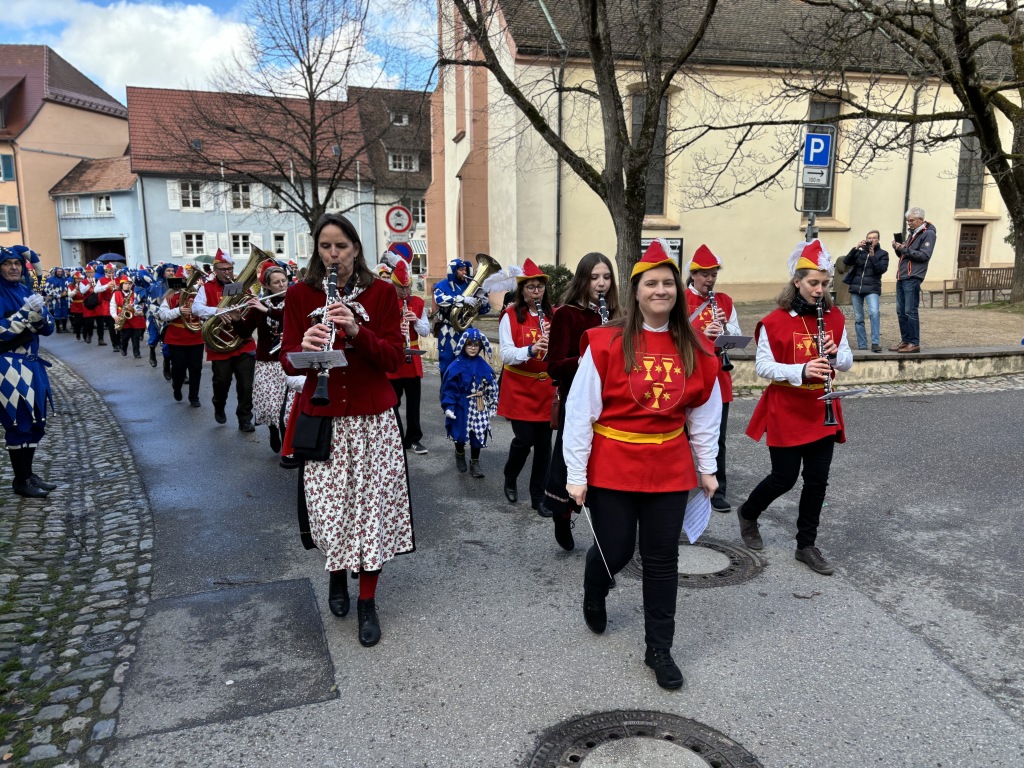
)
(399, 118)
(406, 162)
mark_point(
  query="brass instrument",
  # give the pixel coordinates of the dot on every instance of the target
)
(462, 317)
(126, 314)
(188, 295)
(726, 362)
(218, 333)
(830, 414)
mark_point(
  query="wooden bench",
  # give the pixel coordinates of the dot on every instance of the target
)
(978, 280)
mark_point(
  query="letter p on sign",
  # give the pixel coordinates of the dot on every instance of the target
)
(818, 150)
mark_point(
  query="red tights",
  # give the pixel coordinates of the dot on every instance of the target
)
(368, 584)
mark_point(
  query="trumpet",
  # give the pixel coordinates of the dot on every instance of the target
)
(726, 362)
(830, 414)
(243, 308)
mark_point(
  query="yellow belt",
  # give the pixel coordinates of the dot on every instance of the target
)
(637, 437)
(800, 386)
(543, 375)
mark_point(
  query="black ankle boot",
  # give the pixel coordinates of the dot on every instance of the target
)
(460, 461)
(152, 356)
(275, 438)
(594, 613)
(337, 594)
(474, 469)
(563, 532)
(167, 368)
(369, 626)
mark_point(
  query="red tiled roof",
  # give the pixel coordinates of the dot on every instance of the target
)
(41, 76)
(250, 134)
(109, 174)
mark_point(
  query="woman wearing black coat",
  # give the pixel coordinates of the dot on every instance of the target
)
(866, 263)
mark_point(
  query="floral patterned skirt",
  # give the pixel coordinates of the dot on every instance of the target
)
(358, 500)
(268, 390)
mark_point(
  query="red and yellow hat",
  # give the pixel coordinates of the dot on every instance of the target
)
(400, 274)
(658, 254)
(223, 258)
(810, 255)
(267, 267)
(124, 279)
(530, 272)
(704, 259)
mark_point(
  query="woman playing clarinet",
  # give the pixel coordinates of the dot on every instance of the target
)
(358, 499)
(645, 393)
(797, 357)
(590, 299)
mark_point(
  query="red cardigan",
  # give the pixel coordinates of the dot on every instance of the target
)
(361, 388)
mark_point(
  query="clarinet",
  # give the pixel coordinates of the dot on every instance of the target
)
(726, 362)
(541, 321)
(602, 308)
(405, 330)
(320, 396)
(830, 414)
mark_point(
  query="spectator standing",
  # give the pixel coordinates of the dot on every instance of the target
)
(914, 256)
(866, 263)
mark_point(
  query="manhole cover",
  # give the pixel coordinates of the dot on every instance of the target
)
(656, 739)
(708, 563)
(102, 642)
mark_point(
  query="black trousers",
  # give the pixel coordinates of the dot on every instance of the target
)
(411, 430)
(720, 474)
(107, 322)
(243, 369)
(133, 335)
(556, 498)
(617, 516)
(187, 360)
(76, 324)
(535, 435)
(88, 326)
(816, 458)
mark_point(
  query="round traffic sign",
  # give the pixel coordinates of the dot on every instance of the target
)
(401, 249)
(398, 218)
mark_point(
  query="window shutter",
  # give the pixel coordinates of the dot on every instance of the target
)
(12, 218)
(224, 242)
(173, 195)
(210, 243)
(206, 195)
(302, 245)
(7, 167)
(176, 247)
(256, 238)
(257, 196)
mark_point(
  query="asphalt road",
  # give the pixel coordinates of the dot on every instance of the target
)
(909, 656)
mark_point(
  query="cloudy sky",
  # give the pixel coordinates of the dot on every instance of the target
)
(165, 44)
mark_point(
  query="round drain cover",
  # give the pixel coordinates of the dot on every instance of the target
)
(637, 737)
(719, 565)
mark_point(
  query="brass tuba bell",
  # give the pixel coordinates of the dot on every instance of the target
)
(217, 331)
(462, 317)
(188, 295)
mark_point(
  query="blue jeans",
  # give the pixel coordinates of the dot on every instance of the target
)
(871, 299)
(908, 296)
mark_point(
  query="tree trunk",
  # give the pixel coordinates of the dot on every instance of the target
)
(1017, 221)
(628, 229)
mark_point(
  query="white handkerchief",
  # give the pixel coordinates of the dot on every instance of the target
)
(697, 515)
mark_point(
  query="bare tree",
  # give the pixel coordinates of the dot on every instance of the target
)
(925, 74)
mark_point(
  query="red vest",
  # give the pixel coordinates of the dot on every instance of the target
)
(414, 369)
(793, 415)
(214, 291)
(642, 408)
(177, 335)
(702, 321)
(526, 392)
(137, 321)
(102, 289)
(77, 307)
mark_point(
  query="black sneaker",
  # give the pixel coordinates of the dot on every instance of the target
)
(460, 462)
(563, 532)
(246, 426)
(219, 416)
(418, 448)
(275, 438)
(749, 531)
(595, 614)
(665, 670)
(194, 402)
(876, 347)
(719, 504)
(815, 560)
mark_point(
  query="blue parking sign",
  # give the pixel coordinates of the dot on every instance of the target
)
(818, 150)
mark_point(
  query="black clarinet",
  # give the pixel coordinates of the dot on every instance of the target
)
(830, 413)
(726, 362)
(320, 396)
(602, 308)
(541, 321)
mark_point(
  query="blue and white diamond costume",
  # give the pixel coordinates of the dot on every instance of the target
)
(448, 295)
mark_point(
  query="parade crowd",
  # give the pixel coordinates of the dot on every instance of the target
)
(619, 404)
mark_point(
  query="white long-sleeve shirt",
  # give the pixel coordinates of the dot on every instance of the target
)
(585, 405)
(767, 368)
(732, 325)
(510, 353)
(422, 324)
(199, 306)
(166, 314)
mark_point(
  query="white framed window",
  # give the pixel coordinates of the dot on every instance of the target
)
(103, 204)
(406, 162)
(279, 246)
(399, 118)
(240, 244)
(194, 243)
(276, 202)
(241, 197)
(72, 206)
(418, 209)
(9, 218)
(190, 195)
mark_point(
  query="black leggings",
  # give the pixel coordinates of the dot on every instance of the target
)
(816, 458)
(659, 516)
(186, 359)
(536, 435)
(556, 498)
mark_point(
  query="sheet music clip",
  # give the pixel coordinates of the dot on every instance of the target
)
(844, 393)
(410, 351)
(233, 289)
(333, 358)
(732, 342)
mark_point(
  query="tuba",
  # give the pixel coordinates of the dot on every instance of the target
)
(217, 331)
(462, 317)
(188, 295)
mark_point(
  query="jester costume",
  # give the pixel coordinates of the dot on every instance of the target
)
(56, 291)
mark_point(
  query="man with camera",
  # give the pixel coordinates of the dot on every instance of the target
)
(865, 265)
(914, 255)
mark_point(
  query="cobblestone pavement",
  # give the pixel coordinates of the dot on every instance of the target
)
(987, 384)
(74, 584)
